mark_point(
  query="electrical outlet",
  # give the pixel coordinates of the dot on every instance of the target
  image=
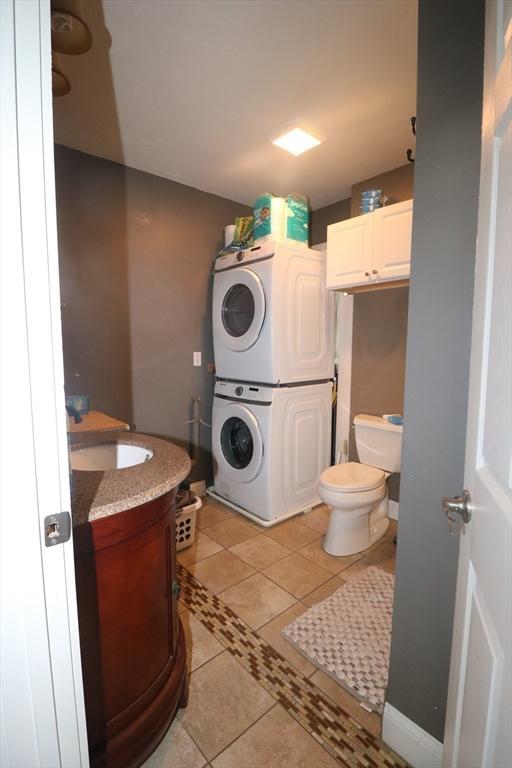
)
(196, 357)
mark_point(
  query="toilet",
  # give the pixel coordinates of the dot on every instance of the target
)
(358, 492)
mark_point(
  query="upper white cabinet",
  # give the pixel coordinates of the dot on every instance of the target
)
(372, 248)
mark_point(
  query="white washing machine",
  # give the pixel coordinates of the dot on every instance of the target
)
(270, 445)
(272, 315)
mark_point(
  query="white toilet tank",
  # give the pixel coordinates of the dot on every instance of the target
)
(378, 442)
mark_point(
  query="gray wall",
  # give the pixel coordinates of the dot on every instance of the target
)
(395, 184)
(380, 317)
(446, 183)
(378, 358)
(329, 214)
(135, 255)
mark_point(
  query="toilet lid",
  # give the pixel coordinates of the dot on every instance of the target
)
(352, 477)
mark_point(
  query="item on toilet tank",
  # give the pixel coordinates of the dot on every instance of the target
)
(393, 418)
(297, 218)
(268, 217)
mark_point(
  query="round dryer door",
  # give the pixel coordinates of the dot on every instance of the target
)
(238, 308)
(239, 443)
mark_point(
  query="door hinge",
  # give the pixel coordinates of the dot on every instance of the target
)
(57, 529)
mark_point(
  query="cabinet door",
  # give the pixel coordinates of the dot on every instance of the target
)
(349, 246)
(392, 228)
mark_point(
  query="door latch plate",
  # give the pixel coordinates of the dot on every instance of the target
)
(57, 529)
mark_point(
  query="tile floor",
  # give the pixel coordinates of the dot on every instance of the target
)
(254, 701)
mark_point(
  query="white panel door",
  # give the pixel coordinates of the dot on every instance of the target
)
(306, 436)
(479, 712)
(308, 320)
(43, 717)
(392, 231)
(349, 252)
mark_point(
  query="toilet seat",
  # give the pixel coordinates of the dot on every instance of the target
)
(351, 477)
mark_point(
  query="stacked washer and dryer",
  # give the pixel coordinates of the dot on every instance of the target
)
(271, 422)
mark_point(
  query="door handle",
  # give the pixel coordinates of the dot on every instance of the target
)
(458, 505)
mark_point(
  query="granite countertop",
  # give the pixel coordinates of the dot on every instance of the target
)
(98, 494)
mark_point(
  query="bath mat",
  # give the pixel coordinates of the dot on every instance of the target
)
(348, 635)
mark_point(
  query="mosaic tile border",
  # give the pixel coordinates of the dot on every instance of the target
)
(349, 743)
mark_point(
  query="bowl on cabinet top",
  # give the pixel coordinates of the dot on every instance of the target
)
(101, 458)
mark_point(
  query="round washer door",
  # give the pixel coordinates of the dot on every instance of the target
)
(237, 443)
(238, 308)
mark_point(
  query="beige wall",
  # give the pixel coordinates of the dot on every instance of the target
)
(135, 254)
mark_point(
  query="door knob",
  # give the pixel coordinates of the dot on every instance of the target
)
(458, 505)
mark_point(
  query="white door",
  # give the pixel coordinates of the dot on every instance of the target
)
(392, 235)
(42, 719)
(349, 252)
(478, 724)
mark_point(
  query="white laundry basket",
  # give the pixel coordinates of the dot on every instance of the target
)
(186, 524)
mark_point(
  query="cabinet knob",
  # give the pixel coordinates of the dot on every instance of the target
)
(367, 274)
(374, 271)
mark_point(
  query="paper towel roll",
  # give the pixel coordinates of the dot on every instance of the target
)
(229, 233)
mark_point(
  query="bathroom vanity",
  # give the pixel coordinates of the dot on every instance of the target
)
(131, 639)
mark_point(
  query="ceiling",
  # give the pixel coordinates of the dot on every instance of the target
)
(195, 91)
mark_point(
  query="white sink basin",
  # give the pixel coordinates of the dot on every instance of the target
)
(103, 457)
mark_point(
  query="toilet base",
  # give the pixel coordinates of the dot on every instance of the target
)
(350, 532)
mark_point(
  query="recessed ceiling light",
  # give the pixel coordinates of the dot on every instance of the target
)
(296, 141)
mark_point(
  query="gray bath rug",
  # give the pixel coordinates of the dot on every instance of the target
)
(348, 635)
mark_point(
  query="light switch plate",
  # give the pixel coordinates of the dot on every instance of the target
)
(196, 359)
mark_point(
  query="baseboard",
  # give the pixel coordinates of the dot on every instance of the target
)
(199, 488)
(393, 509)
(408, 740)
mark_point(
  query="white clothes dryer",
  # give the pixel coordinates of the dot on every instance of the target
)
(270, 445)
(272, 315)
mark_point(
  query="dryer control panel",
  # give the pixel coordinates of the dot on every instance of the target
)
(244, 391)
(233, 259)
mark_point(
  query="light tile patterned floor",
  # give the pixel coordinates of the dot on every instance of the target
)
(254, 701)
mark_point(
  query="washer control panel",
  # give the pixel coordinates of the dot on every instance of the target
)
(235, 390)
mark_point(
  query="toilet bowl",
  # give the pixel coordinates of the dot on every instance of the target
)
(358, 492)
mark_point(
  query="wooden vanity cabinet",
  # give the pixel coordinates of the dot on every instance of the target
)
(369, 249)
(131, 639)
